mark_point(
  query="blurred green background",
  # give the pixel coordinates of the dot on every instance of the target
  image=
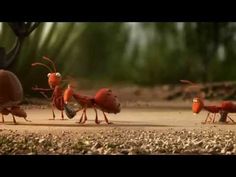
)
(146, 54)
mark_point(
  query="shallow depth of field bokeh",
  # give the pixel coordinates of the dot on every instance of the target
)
(144, 54)
(142, 63)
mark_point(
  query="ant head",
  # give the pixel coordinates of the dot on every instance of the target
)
(197, 105)
(54, 77)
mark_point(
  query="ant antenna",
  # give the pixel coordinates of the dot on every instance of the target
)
(191, 85)
(41, 64)
(186, 82)
(48, 59)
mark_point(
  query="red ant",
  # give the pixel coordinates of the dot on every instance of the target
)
(54, 80)
(223, 109)
(104, 100)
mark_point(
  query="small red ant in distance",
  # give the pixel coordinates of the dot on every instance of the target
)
(54, 80)
(223, 109)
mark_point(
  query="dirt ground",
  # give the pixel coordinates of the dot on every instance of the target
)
(142, 108)
(157, 118)
(152, 121)
(159, 128)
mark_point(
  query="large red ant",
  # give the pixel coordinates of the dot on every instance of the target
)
(54, 81)
(104, 100)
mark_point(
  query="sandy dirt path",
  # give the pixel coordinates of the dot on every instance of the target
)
(130, 118)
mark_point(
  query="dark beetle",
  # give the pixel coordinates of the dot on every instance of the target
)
(11, 94)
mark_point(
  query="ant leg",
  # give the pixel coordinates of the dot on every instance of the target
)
(210, 117)
(206, 118)
(106, 118)
(53, 113)
(214, 117)
(231, 119)
(14, 120)
(27, 119)
(96, 118)
(218, 115)
(62, 115)
(81, 118)
(3, 119)
(85, 116)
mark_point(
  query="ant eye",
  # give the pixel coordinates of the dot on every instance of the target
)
(58, 74)
(49, 74)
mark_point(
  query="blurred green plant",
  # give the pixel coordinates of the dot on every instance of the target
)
(140, 53)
